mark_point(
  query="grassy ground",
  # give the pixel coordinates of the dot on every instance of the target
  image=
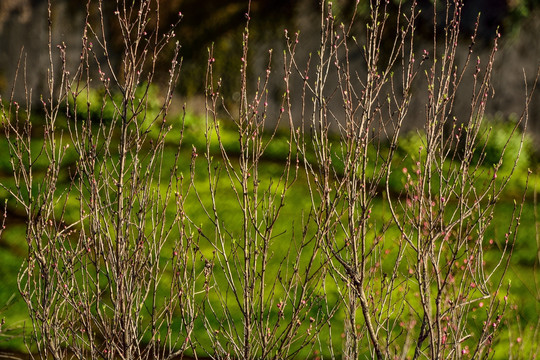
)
(524, 293)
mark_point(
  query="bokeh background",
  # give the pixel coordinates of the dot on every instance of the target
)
(218, 25)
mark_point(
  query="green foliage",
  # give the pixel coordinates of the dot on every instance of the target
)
(498, 139)
(519, 11)
(501, 139)
(13, 312)
(412, 146)
(102, 105)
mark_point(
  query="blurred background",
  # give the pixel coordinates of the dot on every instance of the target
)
(218, 23)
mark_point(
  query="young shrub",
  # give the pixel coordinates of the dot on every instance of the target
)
(408, 278)
(103, 204)
(128, 258)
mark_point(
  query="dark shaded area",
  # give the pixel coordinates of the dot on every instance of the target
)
(218, 24)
